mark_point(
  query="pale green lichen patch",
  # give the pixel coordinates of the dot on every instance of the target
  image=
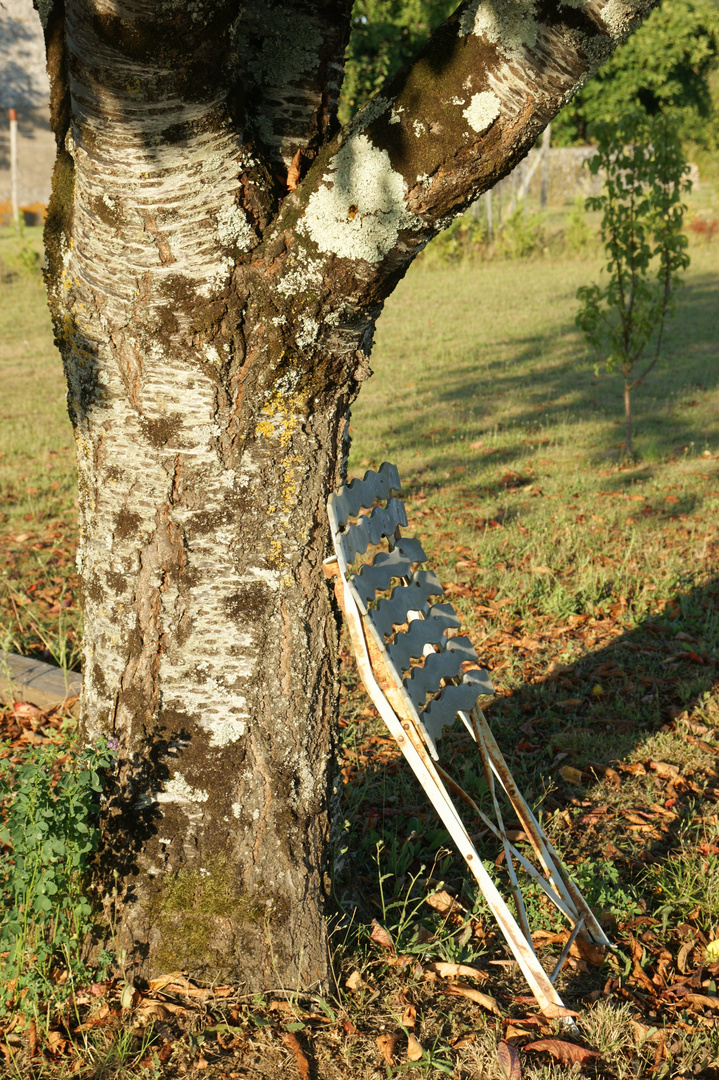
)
(618, 17)
(289, 46)
(226, 731)
(511, 25)
(234, 229)
(482, 111)
(361, 211)
(374, 108)
(178, 790)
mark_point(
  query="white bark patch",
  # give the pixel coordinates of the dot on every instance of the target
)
(300, 277)
(178, 790)
(360, 214)
(511, 25)
(482, 111)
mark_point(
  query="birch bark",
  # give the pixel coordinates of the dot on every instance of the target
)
(215, 321)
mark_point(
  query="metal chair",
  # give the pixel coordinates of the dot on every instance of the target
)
(422, 676)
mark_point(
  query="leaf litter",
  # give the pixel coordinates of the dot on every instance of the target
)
(579, 694)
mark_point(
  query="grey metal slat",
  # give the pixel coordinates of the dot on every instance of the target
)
(392, 611)
(359, 494)
(442, 711)
(411, 643)
(372, 528)
(427, 679)
(377, 576)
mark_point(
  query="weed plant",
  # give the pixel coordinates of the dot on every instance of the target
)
(49, 836)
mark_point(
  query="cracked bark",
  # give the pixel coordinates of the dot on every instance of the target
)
(214, 331)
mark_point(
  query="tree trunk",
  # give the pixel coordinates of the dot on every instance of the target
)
(628, 418)
(217, 257)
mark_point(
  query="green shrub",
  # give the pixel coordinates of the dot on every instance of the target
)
(579, 237)
(466, 238)
(623, 318)
(522, 235)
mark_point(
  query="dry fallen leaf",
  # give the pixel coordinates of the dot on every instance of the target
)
(292, 1042)
(161, 982)
(355, 981)
(444, 903)
(415, 1049)
(508, 1061)
(664, 769)
(32, 1038)
(380, 935)
(152, 1010)
(477, 996)
(387, 1044)
(557, 1012)
(55, 1042)
(634, 768)
(642, 1033)
(702, 999)
(293, 173)
(683, 955)
(513, 1032)
(570, 774)
(409, 1017)
(565, 1052)
(445, 970)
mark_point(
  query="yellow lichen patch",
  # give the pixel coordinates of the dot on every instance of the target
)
(280, 416)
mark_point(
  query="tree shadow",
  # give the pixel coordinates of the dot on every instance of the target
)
(567, 390)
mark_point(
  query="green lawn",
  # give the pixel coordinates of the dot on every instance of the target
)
(589, 585)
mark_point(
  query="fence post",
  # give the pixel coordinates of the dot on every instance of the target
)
(13, 168)
(546, 142)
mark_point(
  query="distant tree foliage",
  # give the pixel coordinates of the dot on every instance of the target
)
(385, 35)
(665, 66)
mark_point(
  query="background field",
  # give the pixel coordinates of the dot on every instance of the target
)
(589, 586)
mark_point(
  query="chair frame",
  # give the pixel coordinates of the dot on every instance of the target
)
(364, 514)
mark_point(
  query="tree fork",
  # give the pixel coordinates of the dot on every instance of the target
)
(215, 330)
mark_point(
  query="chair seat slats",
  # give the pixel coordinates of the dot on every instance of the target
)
(411, 645)
(361, 494)
(400, 638)
(372, 528)
(393, 610)
(442, 711)
(426, 680)
(377, 576)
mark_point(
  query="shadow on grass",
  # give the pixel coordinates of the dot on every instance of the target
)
(553, 385)
(651, 680)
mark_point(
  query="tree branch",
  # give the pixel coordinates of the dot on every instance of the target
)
(444, 129)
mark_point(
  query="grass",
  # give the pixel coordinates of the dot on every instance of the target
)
(588, 584)
(38, 517)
